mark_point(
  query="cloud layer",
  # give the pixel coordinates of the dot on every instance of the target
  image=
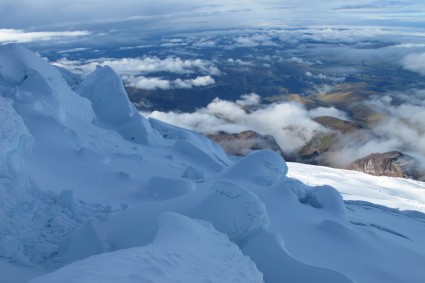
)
(150, 83)
(212, 14)
(134, 70)
(20, 36)
(290, 123)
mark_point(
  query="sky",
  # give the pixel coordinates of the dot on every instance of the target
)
(60, 14)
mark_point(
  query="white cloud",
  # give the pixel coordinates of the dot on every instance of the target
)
(300, 60)
(249, 100)
(20, 36)
(289, 123)
(144, 65)
(401, 128)
(239, 62)
(415, 62)
(328, 111)
(202, 81)
(150, 83)
(147, 83)
(325, 77)
(254, 40)
(134, 70)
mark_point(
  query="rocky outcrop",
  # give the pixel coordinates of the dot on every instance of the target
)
(393, 164)
(242, 143)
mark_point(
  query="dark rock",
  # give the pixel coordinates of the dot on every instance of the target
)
(393, 164)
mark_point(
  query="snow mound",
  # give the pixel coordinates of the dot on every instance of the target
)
(261, 167)
(85, 241)
(233, 211)
(268, 253)
(321, 197)
(184, 250)
(193, 144)
(113, 110)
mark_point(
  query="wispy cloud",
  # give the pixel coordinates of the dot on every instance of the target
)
(20, 36)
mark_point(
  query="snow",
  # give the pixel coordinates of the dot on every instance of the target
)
(90, 191)
(113, 110)
(184, 250)
(403, 194)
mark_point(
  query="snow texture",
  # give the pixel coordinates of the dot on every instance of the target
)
(183, 250)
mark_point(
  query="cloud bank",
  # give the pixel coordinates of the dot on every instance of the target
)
(401, 128)
(291, 124)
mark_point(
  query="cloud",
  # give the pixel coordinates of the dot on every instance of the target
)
(328, 111)
(251, 99)
(401, 128)
(254, 40)
(150, 83)
(202, 81)
(415, 62)
(133, 71)
(20, 36)
(170, 15)
(325, 77)
(289, 123)
(239, 62)
(143, 65)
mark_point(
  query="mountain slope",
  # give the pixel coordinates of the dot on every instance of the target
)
(92, 191)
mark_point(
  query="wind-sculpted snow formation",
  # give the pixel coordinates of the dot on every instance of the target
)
(91, 191)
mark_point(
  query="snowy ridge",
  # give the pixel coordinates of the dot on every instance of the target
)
(90, 191)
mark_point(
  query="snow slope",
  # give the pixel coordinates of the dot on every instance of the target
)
(90, 191)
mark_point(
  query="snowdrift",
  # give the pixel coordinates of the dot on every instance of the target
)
(91, 191)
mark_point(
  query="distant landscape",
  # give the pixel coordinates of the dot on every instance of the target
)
(333, 95)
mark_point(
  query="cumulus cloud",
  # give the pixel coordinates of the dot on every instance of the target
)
(147, 83)
(21, 36)
(140, 66)
(134, 70)
(415, 62)
(249, 99)
(202, 81)
(150, 83)
(289, 123)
